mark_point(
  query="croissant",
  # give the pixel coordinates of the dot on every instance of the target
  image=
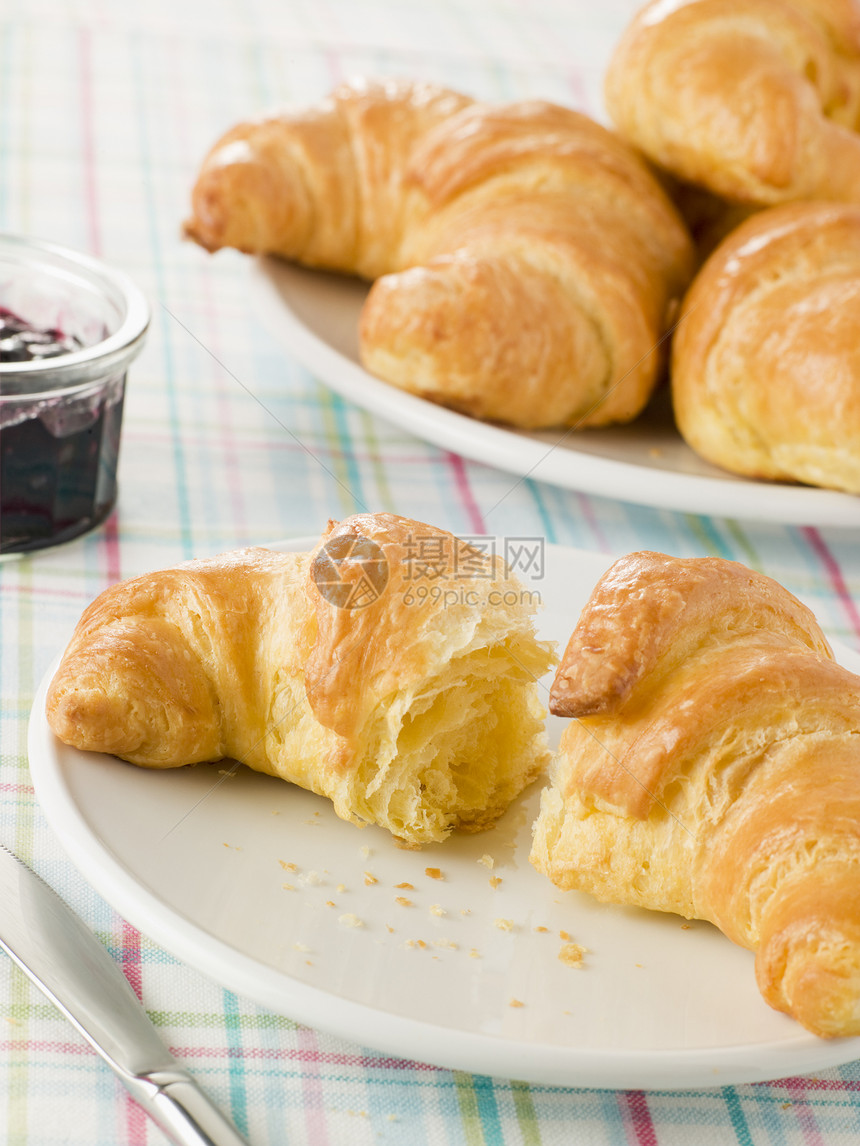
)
(713, 770)
(527, 262)
(756, 100)
(766, 356)
(392, 670)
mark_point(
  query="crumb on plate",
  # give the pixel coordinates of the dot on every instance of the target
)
(571, 954)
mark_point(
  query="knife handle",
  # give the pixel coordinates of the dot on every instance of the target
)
(178, 1105)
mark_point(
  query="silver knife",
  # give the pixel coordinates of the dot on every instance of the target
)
(63, 957)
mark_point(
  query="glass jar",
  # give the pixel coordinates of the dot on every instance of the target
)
(60, 417)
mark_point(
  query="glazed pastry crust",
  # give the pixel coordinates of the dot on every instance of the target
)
(756, 100)
(415, 712)
(526, 261)
(766, 356)
(714, 771)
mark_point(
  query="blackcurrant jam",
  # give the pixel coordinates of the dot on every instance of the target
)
(21, 342)
(58, 451)
(70, 326)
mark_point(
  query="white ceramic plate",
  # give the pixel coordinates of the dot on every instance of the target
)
(314, 316)
(198, 866)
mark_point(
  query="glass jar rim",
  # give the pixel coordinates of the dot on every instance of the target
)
(78, 369)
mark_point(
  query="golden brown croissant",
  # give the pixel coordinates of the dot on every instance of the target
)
(766, 357)
(527, 261)
(756, 100)
(393, 670)
(714, 770)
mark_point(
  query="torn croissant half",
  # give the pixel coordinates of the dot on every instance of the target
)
(393, 670)
(713, 770)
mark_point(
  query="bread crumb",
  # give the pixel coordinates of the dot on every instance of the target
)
(312, 878)
(542, 929)
(437, 909)
(389, 929)
(640, 964)
(288, 866)
(487, 861)
(516, 1003)
(409, 943)
(403, 901)
(330, 903)
(433, 873)
(465, 911)
(350, 920)
(504, 924)
(495, 880)
(308, 963)
(474, 953)
(422, 944)
(405, 886)
(365, 850)
(445, 943)
(341, 888)
(571, 954)
(370, 879)
(686, 926)
(564, 935)
(655, 452)
(288, 886)
(301, 947)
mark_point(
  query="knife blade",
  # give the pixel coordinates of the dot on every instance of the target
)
(66, 961)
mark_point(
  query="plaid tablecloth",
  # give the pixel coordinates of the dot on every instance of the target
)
(105, 111)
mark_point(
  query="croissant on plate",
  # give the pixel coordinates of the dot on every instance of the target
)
(393, 670)
(527, 262)
(766, 355)
(756, 100)
(712, 769)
